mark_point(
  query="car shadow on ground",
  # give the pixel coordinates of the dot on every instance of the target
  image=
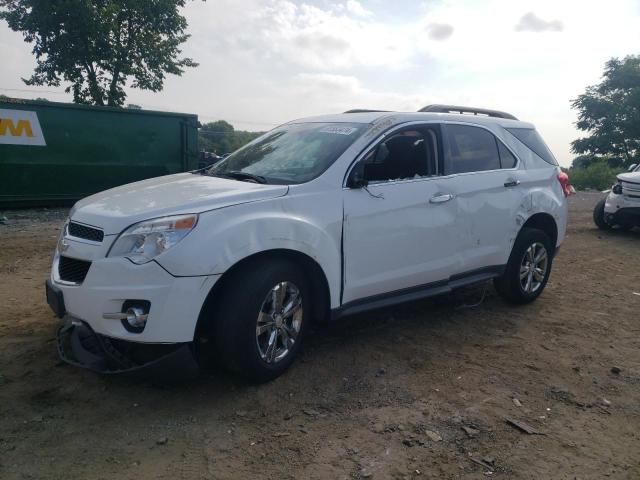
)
(633, 233)
(457, 320)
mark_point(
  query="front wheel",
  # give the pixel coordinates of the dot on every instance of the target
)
(528, 268)
(598, 216)
(261, 319)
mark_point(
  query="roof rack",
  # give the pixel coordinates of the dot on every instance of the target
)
(363, 110)
(472, 110)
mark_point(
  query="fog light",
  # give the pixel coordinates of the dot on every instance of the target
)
(136, 317)
(137, 312)
(133, 316)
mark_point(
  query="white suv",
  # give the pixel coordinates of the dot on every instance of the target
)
(621, 207)
(317, 219)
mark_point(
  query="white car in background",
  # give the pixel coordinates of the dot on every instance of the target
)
(621, 207)
(317, 219)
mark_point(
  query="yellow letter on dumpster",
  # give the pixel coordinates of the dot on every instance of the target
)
(22, 127)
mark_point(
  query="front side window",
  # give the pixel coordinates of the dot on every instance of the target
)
(411, 153)
(470, 149)
(294, 153)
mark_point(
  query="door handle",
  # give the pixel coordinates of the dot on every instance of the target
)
(442, 197)
(511, 182)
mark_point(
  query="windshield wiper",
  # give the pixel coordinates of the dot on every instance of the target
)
(242, 176)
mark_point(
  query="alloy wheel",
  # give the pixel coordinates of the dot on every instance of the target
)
(533, 268)
(279, 322)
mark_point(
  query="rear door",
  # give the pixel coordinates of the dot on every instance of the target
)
(483, 175)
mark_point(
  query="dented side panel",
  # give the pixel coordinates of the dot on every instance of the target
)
(309, 222)
(543, 195)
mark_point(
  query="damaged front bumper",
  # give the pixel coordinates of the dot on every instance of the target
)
(80, 346)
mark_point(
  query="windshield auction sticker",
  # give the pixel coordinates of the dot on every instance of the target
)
(338, 130)
(20, 127)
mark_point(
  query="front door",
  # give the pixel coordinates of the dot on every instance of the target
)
(399, 231)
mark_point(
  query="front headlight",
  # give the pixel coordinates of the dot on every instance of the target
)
(61, 246)
(144, 241)
(617, 188)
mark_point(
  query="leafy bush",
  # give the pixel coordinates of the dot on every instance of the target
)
(598, 176)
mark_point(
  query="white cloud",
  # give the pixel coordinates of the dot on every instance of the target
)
(356, 8)
(330, 93)
(530, 22)
(439, 31)
(310, 37)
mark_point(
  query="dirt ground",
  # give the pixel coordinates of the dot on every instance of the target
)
(418, 391)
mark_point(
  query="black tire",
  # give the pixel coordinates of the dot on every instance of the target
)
(236, 318)
(509, 284)
(598, 216)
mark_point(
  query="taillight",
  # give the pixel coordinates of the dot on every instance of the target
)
(563, 178)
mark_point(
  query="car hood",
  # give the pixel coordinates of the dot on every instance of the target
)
(632, 177)
(115, 209)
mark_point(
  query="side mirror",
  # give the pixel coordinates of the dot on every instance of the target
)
(632, 167)
(356, 177)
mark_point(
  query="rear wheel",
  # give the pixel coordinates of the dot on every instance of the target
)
(598, 216)
(261, 319)
(528, 268)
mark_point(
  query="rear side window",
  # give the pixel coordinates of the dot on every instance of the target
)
(507, 160)
(532, 139)
(470, 149)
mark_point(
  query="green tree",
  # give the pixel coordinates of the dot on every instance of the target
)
(610, 112)
(584, 161)
(98, 45)
(217, 137)
(220, 137)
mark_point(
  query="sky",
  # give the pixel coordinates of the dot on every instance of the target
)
(266, 62)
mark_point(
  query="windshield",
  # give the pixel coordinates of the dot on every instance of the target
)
(294, 153)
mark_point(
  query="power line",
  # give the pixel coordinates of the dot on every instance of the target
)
(249, 122)
(152, 106)
(27, 90)
(209, 132)
(218, 117)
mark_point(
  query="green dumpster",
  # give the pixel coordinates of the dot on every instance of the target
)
(55, 153)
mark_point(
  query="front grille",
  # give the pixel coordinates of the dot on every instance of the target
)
(631, 191)
(72, 269)
(88, 233)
